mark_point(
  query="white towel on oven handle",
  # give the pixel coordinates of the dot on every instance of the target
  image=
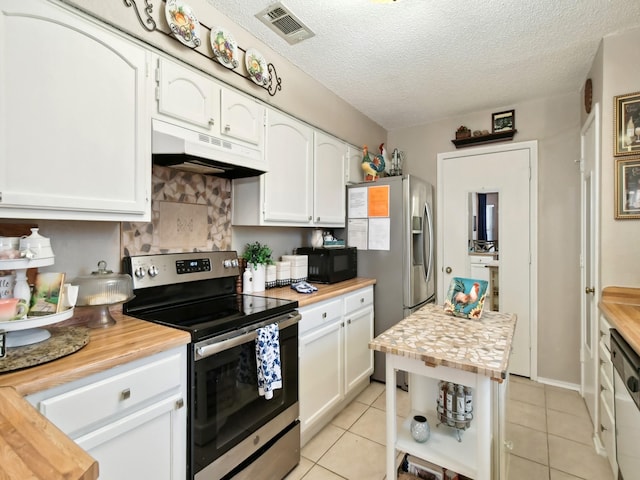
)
(268, 360)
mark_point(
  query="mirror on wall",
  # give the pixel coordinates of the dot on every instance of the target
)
(483, 216)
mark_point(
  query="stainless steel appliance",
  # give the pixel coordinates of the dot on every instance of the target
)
(233, 432)
(398, 252)
(626, 364)
(330, 265)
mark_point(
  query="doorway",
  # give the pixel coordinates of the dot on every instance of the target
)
(511, 172)
(589, 281)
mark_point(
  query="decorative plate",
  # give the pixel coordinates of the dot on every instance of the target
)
(257, 67)
(224, 47)
(465, 297)
(183, 23)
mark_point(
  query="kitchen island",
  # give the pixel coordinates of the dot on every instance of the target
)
(433, 346)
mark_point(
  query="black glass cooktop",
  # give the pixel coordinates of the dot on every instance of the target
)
(218, 315)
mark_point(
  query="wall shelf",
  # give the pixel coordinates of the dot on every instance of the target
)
(490, 138)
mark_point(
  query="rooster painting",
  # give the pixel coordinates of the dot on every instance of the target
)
(465, 297)
(372, 165)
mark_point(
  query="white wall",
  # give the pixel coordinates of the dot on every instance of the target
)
(555, 123)
(620, 255)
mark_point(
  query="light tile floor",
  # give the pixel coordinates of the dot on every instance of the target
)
(549, 428)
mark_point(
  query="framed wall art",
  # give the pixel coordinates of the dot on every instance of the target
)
(627, 188)
(503, 121)
(627, 124)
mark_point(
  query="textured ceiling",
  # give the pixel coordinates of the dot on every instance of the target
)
(413, 62)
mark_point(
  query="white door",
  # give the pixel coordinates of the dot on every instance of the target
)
(510, 171)
(589, 199)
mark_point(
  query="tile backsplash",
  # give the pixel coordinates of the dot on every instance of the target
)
(184, 194)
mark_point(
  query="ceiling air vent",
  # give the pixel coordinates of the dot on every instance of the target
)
(279, 19)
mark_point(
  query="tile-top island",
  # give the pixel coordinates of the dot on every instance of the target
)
(434, 346)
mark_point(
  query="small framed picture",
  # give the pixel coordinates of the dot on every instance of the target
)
(47, 294)
(627, 188)
(627, 119)
(503, 121)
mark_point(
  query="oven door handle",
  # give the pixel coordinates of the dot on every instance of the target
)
(205, 351)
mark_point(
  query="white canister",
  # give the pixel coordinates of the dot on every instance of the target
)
(247, 279)
(7, 282)
(259, 275)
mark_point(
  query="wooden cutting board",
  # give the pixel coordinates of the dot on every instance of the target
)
(32, 447)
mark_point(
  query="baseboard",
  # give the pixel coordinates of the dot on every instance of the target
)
(558, 383)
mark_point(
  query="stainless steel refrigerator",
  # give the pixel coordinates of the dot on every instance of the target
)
(391, 223)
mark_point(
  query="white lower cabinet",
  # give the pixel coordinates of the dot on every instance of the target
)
(606, 428)
(335, 359)
(131, 419)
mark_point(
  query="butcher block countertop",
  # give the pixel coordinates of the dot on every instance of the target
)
(479, 346)
(128, 340)
(34, 448)
(325, 292)
(621, 307)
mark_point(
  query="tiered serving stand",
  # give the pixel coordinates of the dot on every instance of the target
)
(27, 330)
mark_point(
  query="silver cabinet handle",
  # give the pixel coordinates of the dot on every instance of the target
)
(179, 403)
(125, 394)
(227, 128)
(212, 121)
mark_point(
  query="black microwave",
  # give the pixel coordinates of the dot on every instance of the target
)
(330, 265)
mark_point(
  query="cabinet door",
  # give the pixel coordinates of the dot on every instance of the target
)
(288, 183)
(328, 180)
(145, 444)
(353, 167)
(187, 96)
(358, 355)
(241, 118)
(321, 367)
(74, 118)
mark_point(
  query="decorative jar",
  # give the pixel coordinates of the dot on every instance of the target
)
(420, 430)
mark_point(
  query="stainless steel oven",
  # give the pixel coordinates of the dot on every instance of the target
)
(233, 432)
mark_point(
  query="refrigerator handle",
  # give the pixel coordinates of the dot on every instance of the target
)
(428, 256)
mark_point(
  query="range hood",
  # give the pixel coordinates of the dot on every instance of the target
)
(184, 149)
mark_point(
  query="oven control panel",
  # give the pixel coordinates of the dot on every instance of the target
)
(193, 266)
(170, 268)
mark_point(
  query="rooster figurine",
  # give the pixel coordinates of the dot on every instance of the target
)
(372, 165)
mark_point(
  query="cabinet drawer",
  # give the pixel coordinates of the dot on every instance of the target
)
(88, 405)
(358, 300)
(481, 259)
(605, 336)
(606, 366)
(318, 315)
(606, 389)
(607, 435)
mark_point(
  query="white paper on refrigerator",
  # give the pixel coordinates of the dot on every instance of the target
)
(380, 233)
(357, 233)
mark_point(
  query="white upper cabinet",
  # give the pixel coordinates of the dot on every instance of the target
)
(75, 139)
(187, 96)
(328, 180)
(305, 184)
(353, 167)
(198, 102)
(241, 118)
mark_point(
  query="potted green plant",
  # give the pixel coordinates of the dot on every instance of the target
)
(258, 256)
